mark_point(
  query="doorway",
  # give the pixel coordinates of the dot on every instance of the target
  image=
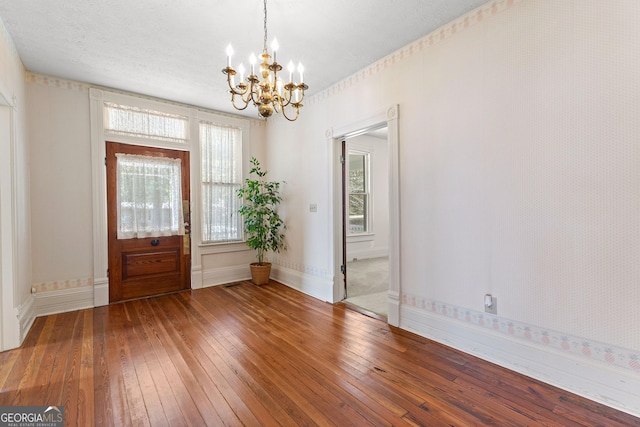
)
(148, 220)
(366, 221)
(388, 118)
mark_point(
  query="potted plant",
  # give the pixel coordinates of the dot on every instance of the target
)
(262, 225)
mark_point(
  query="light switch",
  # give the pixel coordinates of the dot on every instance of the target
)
(313, 207)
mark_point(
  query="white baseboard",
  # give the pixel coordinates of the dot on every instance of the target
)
(26, 316)
(222, 275)
(63, 300)
(316, 287)
(310, 285)
(368, 253)
(609, 385)
(393, 312)
(196, 277)
(101, 292)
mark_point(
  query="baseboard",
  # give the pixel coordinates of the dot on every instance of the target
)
(609, 385)
(393, 313)
(101, 292)
(26, 316)
(63, 300)
(222, 275)
(196, 277)
(368, 253)
(314, 286)
(308, 284)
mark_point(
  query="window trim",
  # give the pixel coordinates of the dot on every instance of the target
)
(245, 126)
(243, 174)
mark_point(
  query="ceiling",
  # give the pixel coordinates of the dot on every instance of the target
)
(175, 50)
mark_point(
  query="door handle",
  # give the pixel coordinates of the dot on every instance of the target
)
(155, 242)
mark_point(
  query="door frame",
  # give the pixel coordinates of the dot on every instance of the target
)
(116, 245)
(389, 117)
(10, 334)
(97, 99)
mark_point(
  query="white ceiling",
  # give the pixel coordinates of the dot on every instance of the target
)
(175, 50)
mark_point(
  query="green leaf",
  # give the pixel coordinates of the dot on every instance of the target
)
(262, 224)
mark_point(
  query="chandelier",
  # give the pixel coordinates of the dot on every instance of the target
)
(266, 89)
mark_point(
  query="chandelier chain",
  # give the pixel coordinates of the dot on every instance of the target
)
(265, 26)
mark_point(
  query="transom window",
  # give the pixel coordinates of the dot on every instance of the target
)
(145, 123)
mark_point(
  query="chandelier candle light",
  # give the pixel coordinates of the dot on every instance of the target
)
(267, 90)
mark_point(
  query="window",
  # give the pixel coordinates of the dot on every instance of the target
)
(358, 189)
(144, 123)
(149, 196)
(221, 175)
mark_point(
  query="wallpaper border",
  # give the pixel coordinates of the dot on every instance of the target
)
(61, 284)
(578, 346)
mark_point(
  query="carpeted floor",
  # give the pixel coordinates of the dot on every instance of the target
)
(368, 283)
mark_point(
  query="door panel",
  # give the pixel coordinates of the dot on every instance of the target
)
(147, 266)
(136, 264)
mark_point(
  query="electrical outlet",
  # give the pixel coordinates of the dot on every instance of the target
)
(493, 309)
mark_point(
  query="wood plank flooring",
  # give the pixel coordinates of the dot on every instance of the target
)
(245, 355)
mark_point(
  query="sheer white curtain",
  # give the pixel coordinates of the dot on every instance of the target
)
(149, 196)
(221, 163)
(144, 123)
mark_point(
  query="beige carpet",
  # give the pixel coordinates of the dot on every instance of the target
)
(368, 283)
(376, 303)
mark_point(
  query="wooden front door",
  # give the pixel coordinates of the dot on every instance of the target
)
(140, 267)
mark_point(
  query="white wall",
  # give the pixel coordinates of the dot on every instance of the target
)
(60, 145)
(519, 172)
(15, 267)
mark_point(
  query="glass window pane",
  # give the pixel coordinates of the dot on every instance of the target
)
(357, 213)
(142, 123)
(357, 173)
(149, 197)
(358, 188)
(221, 175)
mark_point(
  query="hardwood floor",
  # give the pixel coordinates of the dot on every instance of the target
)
(247, 355)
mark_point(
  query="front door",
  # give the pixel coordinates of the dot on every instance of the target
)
(147, 262)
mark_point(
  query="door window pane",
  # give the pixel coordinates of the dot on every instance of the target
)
(149, 196)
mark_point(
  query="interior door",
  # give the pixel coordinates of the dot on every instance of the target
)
(140, 267)
(343, 160)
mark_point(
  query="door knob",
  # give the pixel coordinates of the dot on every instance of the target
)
(155, 242)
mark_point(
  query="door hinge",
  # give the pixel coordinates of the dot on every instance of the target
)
(105, 161)
(343, 269)
(107, 273)
(342, 159)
